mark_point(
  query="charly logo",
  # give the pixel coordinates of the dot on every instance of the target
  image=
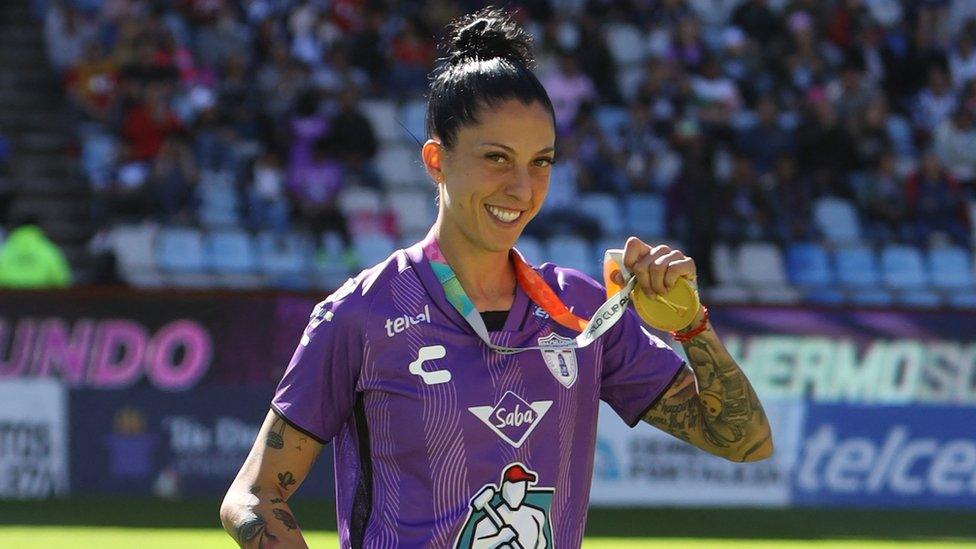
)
(425, 354)
(512, 418)
(401, 323)
(560, 361)
(513, 513)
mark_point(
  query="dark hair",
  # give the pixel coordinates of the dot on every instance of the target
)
(488, 62)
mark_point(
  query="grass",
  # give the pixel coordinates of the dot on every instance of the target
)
(44, 537)
(116, 523)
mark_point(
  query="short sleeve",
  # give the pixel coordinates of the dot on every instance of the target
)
(637, 368)
(318, 390)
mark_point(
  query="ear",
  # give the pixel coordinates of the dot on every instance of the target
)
(433, 154)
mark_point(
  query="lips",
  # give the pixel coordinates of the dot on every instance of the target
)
(503, 215)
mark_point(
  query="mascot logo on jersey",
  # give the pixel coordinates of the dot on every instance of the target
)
(515, 513)
(561, 361)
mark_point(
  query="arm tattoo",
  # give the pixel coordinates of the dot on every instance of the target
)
(286, 479)
(286, 518)
(276, 437)
(723, 412)
(254, 528)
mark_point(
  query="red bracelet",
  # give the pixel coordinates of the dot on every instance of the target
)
(687, 336)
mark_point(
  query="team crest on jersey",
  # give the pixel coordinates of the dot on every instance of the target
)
(512, 418)
(514, 513)
(561, 362)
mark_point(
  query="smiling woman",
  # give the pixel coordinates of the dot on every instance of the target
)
(461, 385)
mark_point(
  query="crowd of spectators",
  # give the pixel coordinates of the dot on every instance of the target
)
(739, 112)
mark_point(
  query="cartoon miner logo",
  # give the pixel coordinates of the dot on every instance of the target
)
(514, 516)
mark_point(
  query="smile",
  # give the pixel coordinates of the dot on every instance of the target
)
(503, 214)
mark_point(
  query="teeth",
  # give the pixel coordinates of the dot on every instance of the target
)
(506, 216)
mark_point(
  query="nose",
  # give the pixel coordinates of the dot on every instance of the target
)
(520, 188)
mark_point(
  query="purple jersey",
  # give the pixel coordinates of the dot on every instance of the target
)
(440, 441)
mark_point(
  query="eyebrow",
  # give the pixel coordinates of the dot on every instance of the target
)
(509, 149)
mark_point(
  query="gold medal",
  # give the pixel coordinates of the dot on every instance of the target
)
(672, 311)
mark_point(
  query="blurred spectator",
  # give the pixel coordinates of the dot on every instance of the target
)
(962, 56)
(66, 31)
(560, 213)
(568, 89)
(787, 199)
(267, 202)
(314, 184)
(748, 212)
(92, 84)
(28, 259)
(935, 102)
(355, 141)
(955, 144)
(766, 141)
(871, 135)
(882, 199)
(147, 124)
(174, 177)
(412, 53)
(825, 148)
(935, 203)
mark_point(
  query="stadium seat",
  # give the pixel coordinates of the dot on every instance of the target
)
(284, 258)
(573, 252)
(837, 220)
(219, 201)
(400, 166)
(611, 119)
(605, 208)
(919, 299)
(373, 249)
(414, 116)
(724, 265)
(627, 46)
(824, 296)
(532, 250)
(761, 268)
(135, 252)
(857, 267)
(629, 80)
(413, 208)
(181, 255)
(382, 114)
(871, 297)
(727, 294)
(644, 215)
(962, 300)
(903, 268)
(808, 266)
(231, 254)
(360, 199)
(951, 269)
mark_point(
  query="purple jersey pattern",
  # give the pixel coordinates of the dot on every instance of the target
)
(428, 453)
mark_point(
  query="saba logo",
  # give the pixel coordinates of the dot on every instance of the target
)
(512, 418)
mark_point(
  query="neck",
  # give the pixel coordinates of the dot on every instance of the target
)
(487, 277)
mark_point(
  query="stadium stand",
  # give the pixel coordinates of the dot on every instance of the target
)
(191, 128)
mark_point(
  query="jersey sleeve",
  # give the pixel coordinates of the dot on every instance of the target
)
(637, 368)
(318, 390)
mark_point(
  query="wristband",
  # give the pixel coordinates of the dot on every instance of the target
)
(684, 337)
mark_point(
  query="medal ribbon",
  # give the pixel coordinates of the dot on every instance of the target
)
(539, 292)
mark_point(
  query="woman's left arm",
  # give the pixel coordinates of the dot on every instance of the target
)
(710, 404)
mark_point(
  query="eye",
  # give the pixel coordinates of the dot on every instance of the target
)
(497, 158)
(544, 162)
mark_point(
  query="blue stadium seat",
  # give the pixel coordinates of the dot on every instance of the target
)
(808, 265)
(605, 208)
(382, 115)
(532, 250)
(903, 268)
(857, 267)
(824, 296)
(135, 249)
(644, 215)
(373, 249)
(285, 258)
(962, 300)
(837, 220)
(413, 115)
(180, 250)
(414, 210)
(920, 299)
(231, 251)
(610, 119)
(951, 269)
(573, 252)
(871, 297)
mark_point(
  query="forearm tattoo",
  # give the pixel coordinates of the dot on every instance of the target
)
(254, 528)
(724, 413)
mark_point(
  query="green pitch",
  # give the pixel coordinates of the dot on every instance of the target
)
(44, 537)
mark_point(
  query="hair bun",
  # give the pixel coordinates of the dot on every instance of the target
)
(486, 34)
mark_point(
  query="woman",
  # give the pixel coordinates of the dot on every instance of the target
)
(441, 437)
